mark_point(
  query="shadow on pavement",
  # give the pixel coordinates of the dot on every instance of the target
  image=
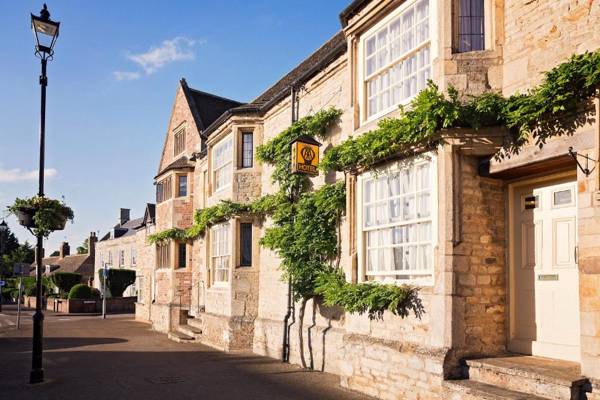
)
(165, 375)
(21, 344)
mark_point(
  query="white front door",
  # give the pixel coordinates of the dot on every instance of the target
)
(544, 281)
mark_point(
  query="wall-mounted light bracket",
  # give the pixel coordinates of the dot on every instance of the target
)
(586, 170)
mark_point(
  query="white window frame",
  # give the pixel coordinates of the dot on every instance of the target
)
(420, 277)
(221, 165)
(133, 257)
(431, 42)
(220, 250)
(121, 258)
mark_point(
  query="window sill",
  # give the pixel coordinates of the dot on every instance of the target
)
(219, 287)
(222, 189)
(475, 54)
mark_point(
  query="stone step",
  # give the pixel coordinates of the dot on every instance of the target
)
(190, 330)
(180, 337)
(471, 390)
(195, 323)
(552, 379)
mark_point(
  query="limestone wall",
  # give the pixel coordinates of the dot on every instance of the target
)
(541, 34)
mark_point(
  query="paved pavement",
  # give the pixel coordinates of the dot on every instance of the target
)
(119, 358)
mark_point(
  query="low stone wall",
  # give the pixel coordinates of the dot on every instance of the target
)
(386, 369)
(79, 306)
(227, 333)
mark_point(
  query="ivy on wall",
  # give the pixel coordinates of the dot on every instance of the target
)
(542, 112)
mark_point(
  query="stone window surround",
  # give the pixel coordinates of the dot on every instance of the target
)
(360, 241)
(361, 60)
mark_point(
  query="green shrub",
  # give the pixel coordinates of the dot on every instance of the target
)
(118, 280)
(31, 290)
(96, 293)
(81, 291)
(64, 281)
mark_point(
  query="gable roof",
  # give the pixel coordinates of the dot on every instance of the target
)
(149, 214)
(180, 163)
(206, 107)
(308, 68)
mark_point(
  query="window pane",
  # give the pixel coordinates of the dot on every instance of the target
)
(471, 25)
(245, 244)
(390, 54)
(247, 150)
(394, 240)
(182, 255)
(182, 186)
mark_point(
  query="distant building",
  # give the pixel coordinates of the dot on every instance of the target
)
(66, 262)
(118, 248)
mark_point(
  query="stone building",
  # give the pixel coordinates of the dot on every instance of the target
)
(504, 250)
(119, 248)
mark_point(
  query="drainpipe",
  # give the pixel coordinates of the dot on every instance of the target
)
(290, 305)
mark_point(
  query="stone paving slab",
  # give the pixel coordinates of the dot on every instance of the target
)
(119, 358)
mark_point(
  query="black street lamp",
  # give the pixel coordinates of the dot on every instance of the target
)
(3, 231)
(46, 32)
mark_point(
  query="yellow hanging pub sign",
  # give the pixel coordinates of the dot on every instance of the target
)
(305, 155)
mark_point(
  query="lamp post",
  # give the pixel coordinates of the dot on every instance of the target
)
(46, 33)
(3, 230)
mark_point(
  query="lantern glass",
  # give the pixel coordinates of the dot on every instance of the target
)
(46, 32)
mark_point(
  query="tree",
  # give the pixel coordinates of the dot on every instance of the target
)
(83, 249)
(118, 280)
(13, 252)
(64, 281)
(55, 253)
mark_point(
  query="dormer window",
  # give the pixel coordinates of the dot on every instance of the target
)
(179, 142)
(396, 59)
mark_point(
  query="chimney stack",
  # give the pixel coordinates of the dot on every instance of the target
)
(92, 244)
(64, 250)
(124, 215)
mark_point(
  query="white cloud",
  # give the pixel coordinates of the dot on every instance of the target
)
(17, 175)
(126, 75)
(177, 49)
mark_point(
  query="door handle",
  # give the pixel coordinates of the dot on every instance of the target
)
(576, 254)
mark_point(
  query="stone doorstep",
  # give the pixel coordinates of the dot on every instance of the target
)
(180, 337)
(472, 390)
(190, 331)
(553, 379)
(195, 323)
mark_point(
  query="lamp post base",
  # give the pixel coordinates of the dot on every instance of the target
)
(36, 376)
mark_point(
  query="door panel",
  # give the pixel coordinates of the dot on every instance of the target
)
(544, 276)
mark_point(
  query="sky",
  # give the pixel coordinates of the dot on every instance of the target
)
(112, 84)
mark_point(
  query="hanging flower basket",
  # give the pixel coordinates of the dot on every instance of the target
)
(25, 216)
(41, 214)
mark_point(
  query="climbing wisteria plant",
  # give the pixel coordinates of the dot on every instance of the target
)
(544, 111)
